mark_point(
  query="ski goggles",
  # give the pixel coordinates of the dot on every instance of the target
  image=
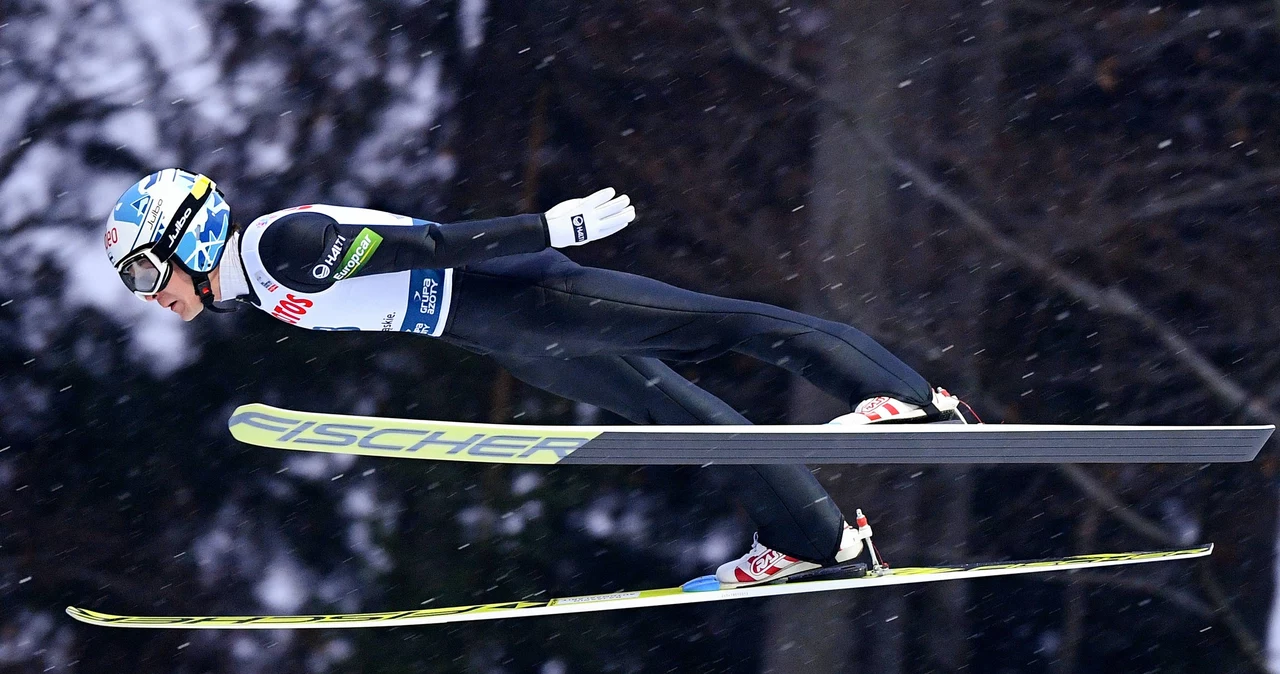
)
(145, 274)
(148, 270)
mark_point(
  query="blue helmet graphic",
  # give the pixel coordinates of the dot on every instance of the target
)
(201, 249)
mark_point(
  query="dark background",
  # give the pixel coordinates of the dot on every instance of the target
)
(1063, 211)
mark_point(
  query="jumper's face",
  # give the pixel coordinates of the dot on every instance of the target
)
(179, 296)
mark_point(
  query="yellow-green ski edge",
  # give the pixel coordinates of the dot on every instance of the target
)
(628, 600)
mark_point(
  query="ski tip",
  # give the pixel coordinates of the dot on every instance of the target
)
(702, 584)
(247, 414)
(85, 615)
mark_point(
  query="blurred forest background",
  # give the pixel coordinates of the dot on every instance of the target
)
(1063, 211)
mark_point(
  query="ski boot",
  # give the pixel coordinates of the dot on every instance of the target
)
(883, 409)
(762, 564)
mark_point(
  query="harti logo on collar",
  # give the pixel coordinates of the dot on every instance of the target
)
(325, 268)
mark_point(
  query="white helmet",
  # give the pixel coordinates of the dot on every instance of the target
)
(169, 217)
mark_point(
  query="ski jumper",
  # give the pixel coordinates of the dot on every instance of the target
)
(493, 287)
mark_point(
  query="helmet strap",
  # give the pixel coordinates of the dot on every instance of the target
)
(205, 292)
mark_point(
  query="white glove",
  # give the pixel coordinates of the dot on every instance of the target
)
(577, 221)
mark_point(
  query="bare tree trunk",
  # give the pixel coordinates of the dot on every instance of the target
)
(1075, 599)
(845, 270)
(945, 533)
(954, 304)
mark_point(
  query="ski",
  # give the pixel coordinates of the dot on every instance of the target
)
(697, 591)
(268, 426)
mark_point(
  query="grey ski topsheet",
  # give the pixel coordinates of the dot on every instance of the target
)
(654, 445)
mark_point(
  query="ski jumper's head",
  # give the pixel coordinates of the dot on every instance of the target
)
(165, 238)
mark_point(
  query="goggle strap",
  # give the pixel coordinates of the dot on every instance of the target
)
(167, 244)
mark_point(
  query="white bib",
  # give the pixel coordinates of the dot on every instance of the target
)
(407, 301)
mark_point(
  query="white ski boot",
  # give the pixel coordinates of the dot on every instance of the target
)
(945, 407)
(762, 564)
